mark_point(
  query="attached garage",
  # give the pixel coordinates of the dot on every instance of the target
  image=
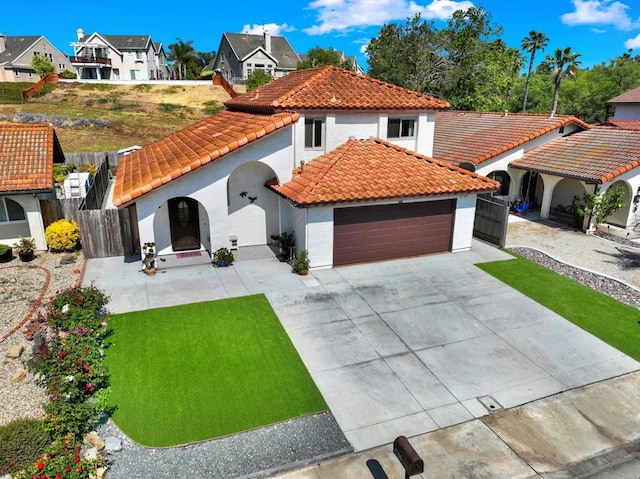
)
(373, 233)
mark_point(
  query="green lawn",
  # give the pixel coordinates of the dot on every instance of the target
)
(615, 323)
(199, 371)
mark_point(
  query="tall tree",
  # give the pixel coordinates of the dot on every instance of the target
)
(182, 54)
(534, 42)
(562, 64)
(42, 65)
(319, 57)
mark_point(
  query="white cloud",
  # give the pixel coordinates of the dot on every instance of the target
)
(343, 15)
(632, 42)
(363, 48)
(598, 31)
(601, 12)
(273, 28)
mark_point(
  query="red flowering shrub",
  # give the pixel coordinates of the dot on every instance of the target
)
(61, 461)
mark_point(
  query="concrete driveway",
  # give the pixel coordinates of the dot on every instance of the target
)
(397, 348)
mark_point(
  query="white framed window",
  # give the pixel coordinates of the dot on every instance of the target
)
(138, 55)
(62, 67)
(136, 75)
(11, 210)
(401, 128)
(35, 54)
(313, 133)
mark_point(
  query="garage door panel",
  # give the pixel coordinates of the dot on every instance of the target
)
(392, 231)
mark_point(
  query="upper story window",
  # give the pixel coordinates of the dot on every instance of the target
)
(10, 210)
(35, 54)
(401, 128)
(313, 132)
(138, 55)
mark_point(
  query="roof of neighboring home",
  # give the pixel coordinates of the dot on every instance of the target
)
(374, 169)
(622, 124)
(190, 148)
(597, 155)
(332, 88)
(244, 43)
(474, 137)
(123, 42)
(15, 47)
(27, 154)
(631, 96)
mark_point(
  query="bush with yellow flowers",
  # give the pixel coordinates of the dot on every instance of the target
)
(63, 235)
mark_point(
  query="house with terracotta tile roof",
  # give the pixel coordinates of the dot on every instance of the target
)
(586, 162)
(487, 143)
(27, 155)
(339, 158)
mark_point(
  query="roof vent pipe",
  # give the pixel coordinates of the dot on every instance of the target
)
(506, 113)
(267, 41)
(80, 33)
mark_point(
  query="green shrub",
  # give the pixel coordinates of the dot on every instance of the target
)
(168, 107)
(68, 75)
(60, 171)
(21, 442)
(143, 87)
(170, 90)
(88, 168)
(4, 248)
(63, 235)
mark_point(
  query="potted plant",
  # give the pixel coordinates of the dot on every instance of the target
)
(6, 253)
(285, 242)
(301, 263)
(26, 248)
(223, 257)
(149, 258)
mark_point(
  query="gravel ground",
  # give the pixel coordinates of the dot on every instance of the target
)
(26, 288)
(252, 454)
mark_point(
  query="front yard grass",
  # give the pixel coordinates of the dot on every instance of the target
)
(612, 321)
(199, 371)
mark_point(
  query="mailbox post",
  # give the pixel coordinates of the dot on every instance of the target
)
(408, 457)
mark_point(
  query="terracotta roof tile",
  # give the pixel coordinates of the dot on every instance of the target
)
(623, 124)
(597, 155)
(332, 88)
(188, 149)
(475, 137)
(27, 154)
(631, 96)
(374, 169)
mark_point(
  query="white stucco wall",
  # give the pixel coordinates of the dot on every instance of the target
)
(208, 185)
(32, 227)
(463, 223)
(632, 180)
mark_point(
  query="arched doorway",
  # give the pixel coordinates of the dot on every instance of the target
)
(184, 224)
(620, 217)
(505, 182)
(531, 190)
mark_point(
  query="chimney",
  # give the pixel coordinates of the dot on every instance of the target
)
(3, 42)
(267, 41)
(80, 33)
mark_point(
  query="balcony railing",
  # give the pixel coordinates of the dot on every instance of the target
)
(98, 60)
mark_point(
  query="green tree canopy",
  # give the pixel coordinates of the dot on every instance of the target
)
(185, 60)
(320, 57)
(257, 78)
(42, 65)
(562, 64)
(534, 42)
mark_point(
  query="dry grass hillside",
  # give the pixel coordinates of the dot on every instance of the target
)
(134, 115)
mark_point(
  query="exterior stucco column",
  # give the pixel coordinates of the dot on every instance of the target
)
(550, 183)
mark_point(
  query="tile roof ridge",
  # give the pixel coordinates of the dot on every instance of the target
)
(321, 71)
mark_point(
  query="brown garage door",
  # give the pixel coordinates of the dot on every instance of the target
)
(372, 233)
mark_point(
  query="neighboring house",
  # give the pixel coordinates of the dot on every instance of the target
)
(27, 155)
(16, 53)
(118, 57)
(627, 105)
(351, 61)
(341, 159)
(487, 143)
(239, 54)
(586, 162)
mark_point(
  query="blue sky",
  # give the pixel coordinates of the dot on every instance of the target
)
(597, 29)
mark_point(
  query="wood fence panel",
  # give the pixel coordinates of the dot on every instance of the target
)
(491, 220)
(128, 241)
(51, 211)
(100, 233)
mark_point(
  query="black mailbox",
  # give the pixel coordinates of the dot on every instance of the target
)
(408, 456)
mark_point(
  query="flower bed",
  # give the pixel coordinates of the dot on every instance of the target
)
(68, 357)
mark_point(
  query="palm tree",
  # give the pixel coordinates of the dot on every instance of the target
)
(562, 64)
(181, 53)
(534, 42)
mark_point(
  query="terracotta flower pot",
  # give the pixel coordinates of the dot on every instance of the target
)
(303, 272)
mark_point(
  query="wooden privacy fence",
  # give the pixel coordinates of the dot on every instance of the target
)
(492, 218)
(105, 233)
(33, 90)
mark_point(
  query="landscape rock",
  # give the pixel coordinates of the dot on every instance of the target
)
(113, 444)
(13, 353)
(99, 474)
(92, 439)
(91, 454)
(19, 376)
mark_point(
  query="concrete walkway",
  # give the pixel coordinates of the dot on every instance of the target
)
(427, 347)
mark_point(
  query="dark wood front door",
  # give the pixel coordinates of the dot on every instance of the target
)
(184, 224)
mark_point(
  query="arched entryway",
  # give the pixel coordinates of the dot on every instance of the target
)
(505, 182)
(184, 224)
(252, 208)
(531, 189)
(621, 217)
